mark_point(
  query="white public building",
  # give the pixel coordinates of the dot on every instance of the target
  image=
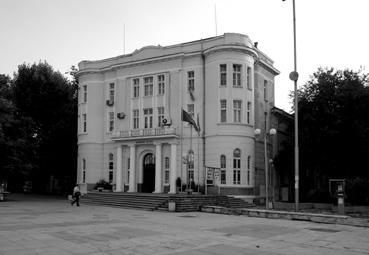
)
(225, 82)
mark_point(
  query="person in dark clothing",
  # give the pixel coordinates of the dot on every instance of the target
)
(76, 195)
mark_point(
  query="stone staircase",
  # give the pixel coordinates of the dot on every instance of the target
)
(147, 201)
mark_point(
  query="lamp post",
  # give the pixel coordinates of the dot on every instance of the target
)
(294, 75)
(266, 162)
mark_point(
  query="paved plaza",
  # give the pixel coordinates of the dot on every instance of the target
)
(47, 226)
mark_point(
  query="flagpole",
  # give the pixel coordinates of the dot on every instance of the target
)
(189, 153)
(181, 148)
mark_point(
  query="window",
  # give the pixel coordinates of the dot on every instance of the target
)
(223, 74)
(237, 166)
(111, 122)
(166, 167)
(84, 119)
(191, 110)
(111, 92)
(248, 169)
(191, 80)
(148, 117)
(111, 167)
(237, 75)
(222, 169)
(248, 75)
(161, 84)
(160, 116)
(84, 94)
(136, 119)
(265, 90)
(248, 114)
(136, 87)
(83, 170)
(128, 166)
(148, 86)
(223, 110)
(237, 111)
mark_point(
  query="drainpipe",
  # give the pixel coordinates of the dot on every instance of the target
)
(203, 116)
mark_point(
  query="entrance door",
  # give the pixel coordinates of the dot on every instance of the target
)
(148, 185)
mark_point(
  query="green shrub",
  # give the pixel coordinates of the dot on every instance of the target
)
(103, 184)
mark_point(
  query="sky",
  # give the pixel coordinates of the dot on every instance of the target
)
(330, 33)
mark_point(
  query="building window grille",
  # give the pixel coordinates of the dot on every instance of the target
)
(136, 119)
(161, 84)
(160, 116)
(237, 75)
(223, 74)
(222, 169)
(148, 118)
(237, 166)
(237, 111)
(111, 167)
(148, 86)
(223, 110)
(136, 87)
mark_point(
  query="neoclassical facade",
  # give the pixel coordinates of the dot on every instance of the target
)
(130, 131)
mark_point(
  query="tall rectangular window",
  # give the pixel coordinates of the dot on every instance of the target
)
(265, 90)
(166, 167)
(111, 167)
(191, 110)
(223, 110)
(223, 74)
(83, 170)
(136, 119)
(236, 75)
(248, 74)
(190, 172)
(237, 111)
(84, 122)
(148, 86)
(84, 93)
(236, 166)
(128, 167)
(222, 169)
(248, 114)
(191, 80)
(136, 87)
(148, 117)
(248, 169)
(161, 84)
(111, 122)
(111, 92)
(160, 116)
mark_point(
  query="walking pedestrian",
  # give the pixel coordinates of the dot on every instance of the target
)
(76, 195)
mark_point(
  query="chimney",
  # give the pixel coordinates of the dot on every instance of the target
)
(256, 44)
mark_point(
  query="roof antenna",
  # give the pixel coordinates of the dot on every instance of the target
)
(124, 39)
(216, 22)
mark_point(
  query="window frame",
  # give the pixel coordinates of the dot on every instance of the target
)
(223, 169)
(249, 77)
(223, 111)
(135, 119)
(237, 166)
(237, 78)
(161, 84)
(223, 75)
(191, 81)
(148, 115)
(148, 86)
(237, 111)
(136, 87)
(161, 115)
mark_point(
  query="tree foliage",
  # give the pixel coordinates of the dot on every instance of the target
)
(334, 128)
(40, 114)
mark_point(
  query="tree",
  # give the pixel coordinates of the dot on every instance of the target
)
(334, 128)
(46, 108)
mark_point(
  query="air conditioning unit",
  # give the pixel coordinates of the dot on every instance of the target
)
(167, 122)
(121, 115)
(109, 102)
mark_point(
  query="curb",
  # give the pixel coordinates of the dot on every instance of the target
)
(271, 214)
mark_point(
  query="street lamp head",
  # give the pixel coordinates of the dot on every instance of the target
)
(272, 131)
(257, 131)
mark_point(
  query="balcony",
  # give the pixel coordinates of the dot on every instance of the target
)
(144, 133)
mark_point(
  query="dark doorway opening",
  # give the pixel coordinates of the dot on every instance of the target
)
(148, 185)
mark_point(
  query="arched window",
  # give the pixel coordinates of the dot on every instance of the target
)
(111, 167)
(237, 166)
(248, 169)
(223, 171)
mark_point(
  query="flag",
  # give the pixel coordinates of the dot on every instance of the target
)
(198, 123)
(187, 117)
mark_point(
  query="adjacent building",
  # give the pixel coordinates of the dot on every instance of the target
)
(130, 131)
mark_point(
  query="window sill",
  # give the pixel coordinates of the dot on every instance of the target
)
(234, 124)
(237, 87)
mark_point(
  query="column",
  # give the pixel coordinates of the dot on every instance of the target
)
(119, 173)
(173, 168)
(132, 168)
(158, 170)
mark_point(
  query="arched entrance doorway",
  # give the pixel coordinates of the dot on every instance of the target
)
(148, 184)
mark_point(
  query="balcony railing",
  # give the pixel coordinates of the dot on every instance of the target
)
(144, 132)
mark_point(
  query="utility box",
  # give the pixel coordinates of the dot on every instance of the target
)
(171, 206)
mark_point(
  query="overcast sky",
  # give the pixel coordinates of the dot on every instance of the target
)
(330, 33)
